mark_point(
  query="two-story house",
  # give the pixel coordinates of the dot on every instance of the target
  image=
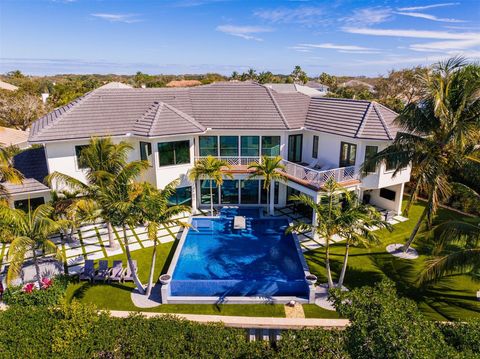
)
(317, 137)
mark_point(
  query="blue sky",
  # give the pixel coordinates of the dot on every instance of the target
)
(196, 36)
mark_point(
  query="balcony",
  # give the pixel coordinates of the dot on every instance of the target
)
(301, 174)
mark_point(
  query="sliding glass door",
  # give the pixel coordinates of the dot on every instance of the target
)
(295, 148)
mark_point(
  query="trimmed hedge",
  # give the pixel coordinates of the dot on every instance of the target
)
(43, 297)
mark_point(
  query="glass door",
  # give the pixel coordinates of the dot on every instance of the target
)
(295, 148)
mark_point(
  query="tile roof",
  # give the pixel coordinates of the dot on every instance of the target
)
(12, 136)
(224, 105)
(27, 185)
(6, 86)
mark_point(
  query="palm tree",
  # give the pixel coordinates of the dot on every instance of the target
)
(210, 168)
(234, 75)
(271, 170)
(7, 172)
(358, 221)
(251, 74)
(462, 255)
(120, 202)
(29, 232)
(102, 160)
(438, 133)
(156, 211)
(329, 221)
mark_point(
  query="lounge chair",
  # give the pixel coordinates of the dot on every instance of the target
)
(102, 272)
(128, 274)
(88, 270)
(116, 272)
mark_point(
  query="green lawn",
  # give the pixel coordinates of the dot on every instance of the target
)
(452, 298)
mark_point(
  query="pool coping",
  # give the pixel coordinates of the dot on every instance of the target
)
(168, 298)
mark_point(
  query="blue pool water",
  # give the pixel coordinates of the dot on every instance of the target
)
(217, 260)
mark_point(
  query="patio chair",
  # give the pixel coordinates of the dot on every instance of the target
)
(116, 272)
(128, 274)
(88, 270)
(102, 272)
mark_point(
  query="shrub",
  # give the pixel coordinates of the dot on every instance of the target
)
(464, 336)
(386, 326)
(50, 293)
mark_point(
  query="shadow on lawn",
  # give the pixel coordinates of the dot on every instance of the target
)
(80, 292)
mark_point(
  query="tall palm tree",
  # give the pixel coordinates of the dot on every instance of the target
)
(7, 172)
(271, 170)
(330, 220)
(357, 229)
(120, 202)
(29, 232)
(156, 211)
(456, 251)
(437, 133)
(102, 160)
(210, 168)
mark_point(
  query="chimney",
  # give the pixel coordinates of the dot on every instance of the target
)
(45, 97)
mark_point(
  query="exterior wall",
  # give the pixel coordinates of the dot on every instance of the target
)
(22, 196)
(395, 206)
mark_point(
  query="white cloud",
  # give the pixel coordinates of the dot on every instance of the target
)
(442, 46)
(428, 17)
(413, 8)
(245, 32)
(126, 18)
(419, 34)
(302, 15)
(337, 47)
(369, 16)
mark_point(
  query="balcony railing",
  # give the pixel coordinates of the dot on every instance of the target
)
(307, 175)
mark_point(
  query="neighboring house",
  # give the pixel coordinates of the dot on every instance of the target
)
(318, 138)
(7, 86)
(323, 89)
(13, 137)
(304, 89)
(358, 83)
(183, 83)
(32, 164)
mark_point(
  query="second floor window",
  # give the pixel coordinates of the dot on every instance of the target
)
(370, 151)
(208, 145)
(229, 146)
(348, 153)
(146, 152)
(270, 145)
(250, 146)
(78, 152)
(315, 147)
(173, 153)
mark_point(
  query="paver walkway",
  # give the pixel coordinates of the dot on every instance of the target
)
(295, 311)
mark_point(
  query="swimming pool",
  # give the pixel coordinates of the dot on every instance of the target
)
(215, 260)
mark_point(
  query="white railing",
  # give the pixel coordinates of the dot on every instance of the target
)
(319, 178)
(313, 177)
(235, 160)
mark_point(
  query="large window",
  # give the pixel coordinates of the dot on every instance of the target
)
(270, 145)
(388, 194)
(295, 148)
(146, 152)
(390, 165)
(348, 152)
(263, 193)
(315, 147)
(229, 192)
(249, 192)
(78, 152)
(205, 192)
(23, 204)
(250, 146)
(173, 153)
(370, 151)
(182, 196)
(208, 145)
(229, 146)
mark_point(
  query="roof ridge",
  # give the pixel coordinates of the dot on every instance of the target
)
(282, 116)
(364, 120)
(185, 116)
(159, 105)
(382, 120)
(341, 99)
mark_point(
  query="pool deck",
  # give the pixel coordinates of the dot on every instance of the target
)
(248, 322)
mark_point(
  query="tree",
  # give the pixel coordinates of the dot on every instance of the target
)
(251, 74)
(299, 76)
(437, 132)
(234, 75)
(7, 172)
(102, 160)
(67, 90)
(359, 221)
(270, 169)
(328, 80)
(156, 211)
(120, 200)
(29, 232)
(210, 168)
(265, 77)
(456, 251)
(19, 109)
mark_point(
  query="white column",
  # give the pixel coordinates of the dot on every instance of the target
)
(399, 200)
(272, 198)
(316, 198)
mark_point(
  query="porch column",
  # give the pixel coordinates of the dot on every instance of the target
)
(272, 198)
(398, 205)
(316, 198)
